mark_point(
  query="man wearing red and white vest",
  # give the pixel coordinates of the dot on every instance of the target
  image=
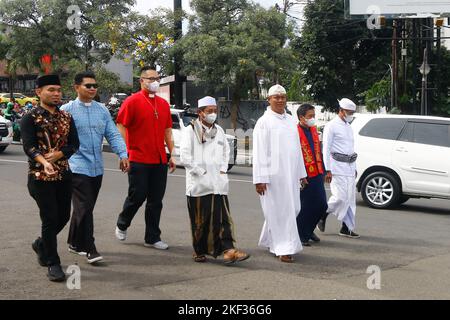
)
(313, 197)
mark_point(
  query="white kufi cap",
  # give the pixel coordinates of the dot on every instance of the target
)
(207, 101)
(276, 89)
(347, 104)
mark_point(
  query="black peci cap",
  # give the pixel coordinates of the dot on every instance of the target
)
(48, 80)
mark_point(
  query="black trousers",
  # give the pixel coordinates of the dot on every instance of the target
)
(53, 200)
(84, 196)
(146, 182)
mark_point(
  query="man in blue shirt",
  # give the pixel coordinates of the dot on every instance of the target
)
(93, 122)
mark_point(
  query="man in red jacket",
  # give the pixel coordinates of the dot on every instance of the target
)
(145, 122)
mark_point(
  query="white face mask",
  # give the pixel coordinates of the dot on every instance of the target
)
(311, 122)
(348, 118)
(211, 118)
(153, 87)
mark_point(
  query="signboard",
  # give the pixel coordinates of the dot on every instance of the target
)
(406, 8)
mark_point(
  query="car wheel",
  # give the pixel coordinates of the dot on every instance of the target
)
(2, 148)
(381, 190)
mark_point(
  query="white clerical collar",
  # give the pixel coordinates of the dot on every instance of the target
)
(87, 104)
(280, 116)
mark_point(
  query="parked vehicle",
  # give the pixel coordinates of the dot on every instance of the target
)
(180, 120)
(401, 157)
(6, 133)
(20, 98)
(114, 103)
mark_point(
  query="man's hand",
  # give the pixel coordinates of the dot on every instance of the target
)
(49, 170)
(261, 188)
(303, 182)
(124, 165)
(328, 177)
(53, 156)
(172, 165)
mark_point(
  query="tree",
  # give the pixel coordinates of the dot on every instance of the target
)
(39, 27)
(441, 96)
(231, 41)
(144, 39)
(378, 95)
(340, 58)
(108, 81)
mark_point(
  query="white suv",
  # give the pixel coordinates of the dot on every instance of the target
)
(180, 120)
(402, 157)
(6, 133)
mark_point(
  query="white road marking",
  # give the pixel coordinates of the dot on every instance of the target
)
(117, 170)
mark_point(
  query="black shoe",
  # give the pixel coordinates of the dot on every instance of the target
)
(314, 237)
(55, 273)
(347, 233)
(37, 247)
(321, 224)
(73, 249)
(306, 244)
(93, 256)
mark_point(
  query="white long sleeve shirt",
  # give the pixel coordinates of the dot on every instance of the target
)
(204, 162)
(338, 137)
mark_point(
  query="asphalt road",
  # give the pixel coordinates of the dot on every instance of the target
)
(410, 245)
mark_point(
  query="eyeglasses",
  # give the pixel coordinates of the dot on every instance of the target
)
(91, 85)
(152, 78)
(280, 97)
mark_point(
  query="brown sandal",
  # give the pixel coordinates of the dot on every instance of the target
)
(286, 258)
(234, 255)
(199, 258)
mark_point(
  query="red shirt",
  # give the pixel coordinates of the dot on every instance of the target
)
(146, 120)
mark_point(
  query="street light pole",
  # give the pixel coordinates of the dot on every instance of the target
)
(392, 86)
(424, 70)
(178, 83)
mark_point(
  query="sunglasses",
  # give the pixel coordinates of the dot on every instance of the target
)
(91, 85)
(152, 78)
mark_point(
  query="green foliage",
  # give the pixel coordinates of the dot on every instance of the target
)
(109, 82)
(339, 57)
(441, 97)
(296, 91)
(145, 40)
(230, 41)
(378, 95)
(39, 27)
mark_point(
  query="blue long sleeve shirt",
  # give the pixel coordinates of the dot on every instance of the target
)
(93, 123)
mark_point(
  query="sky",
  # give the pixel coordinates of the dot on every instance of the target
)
(144, 5)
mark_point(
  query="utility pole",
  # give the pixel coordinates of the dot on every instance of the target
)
(179, 80)
(394, 66)
(414, 64)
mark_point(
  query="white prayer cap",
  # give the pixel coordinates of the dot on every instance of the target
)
(276, 89)
(207, 101)
(347, 104)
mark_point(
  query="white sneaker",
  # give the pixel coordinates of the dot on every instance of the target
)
(121, 235)
(157, 245)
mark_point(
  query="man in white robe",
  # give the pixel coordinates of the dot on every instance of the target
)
(278, 171)
(339, 158)
(205, 153)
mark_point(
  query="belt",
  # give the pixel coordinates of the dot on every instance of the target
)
(348, 158)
